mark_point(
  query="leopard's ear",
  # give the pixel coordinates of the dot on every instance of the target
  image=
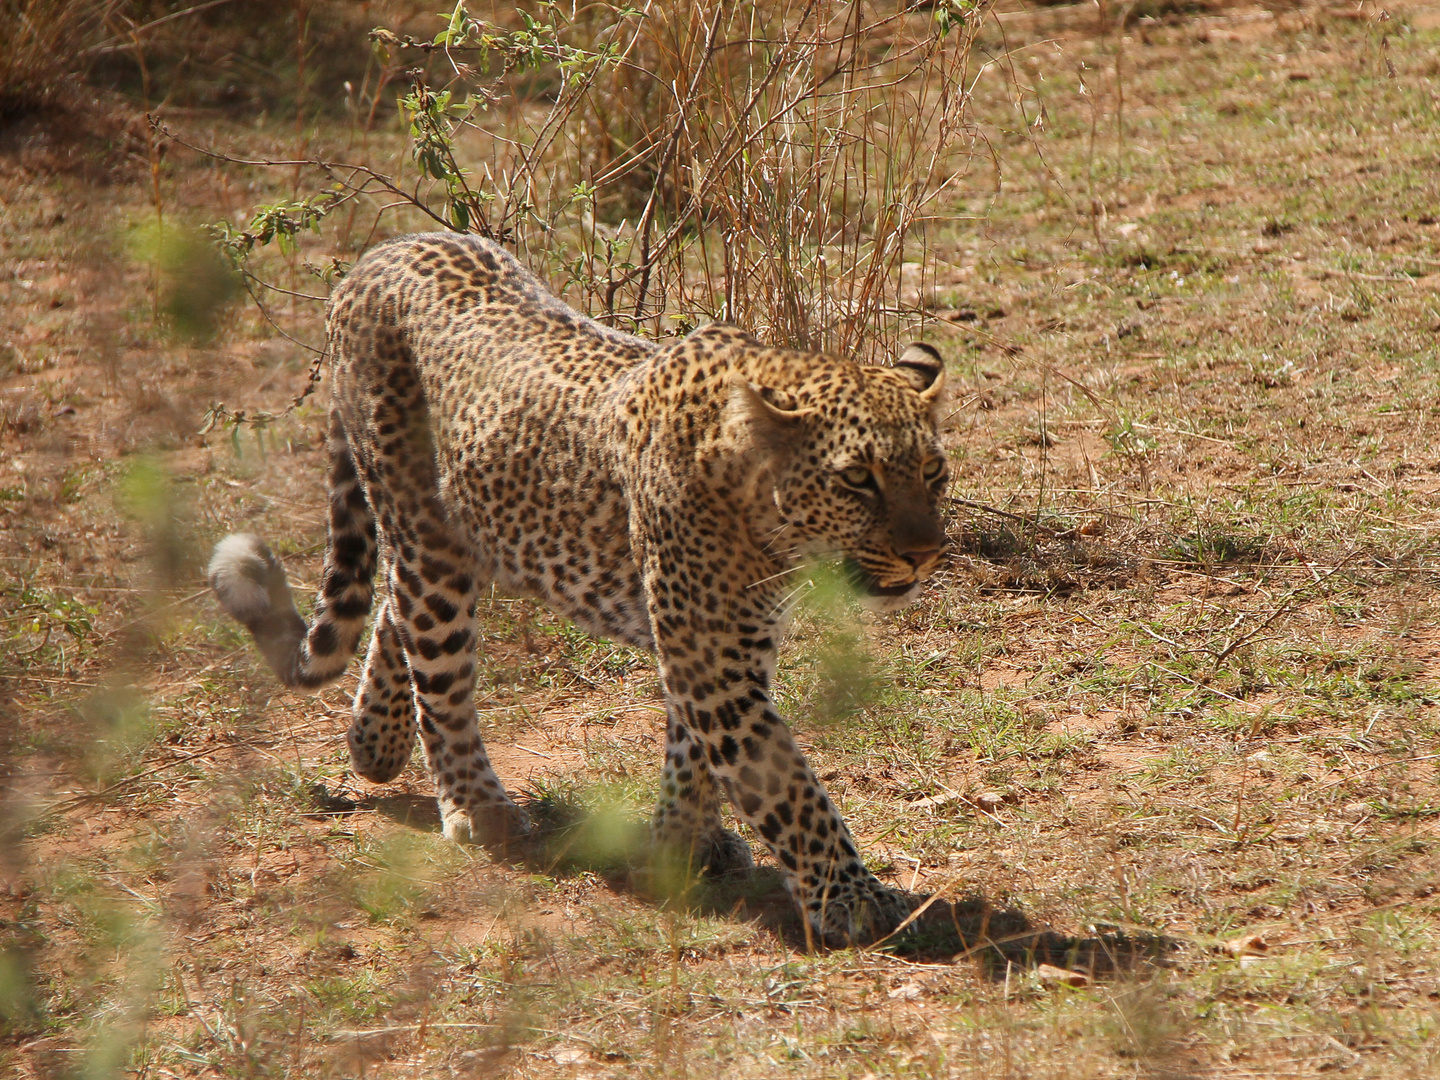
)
(772, 425)
(924, 368)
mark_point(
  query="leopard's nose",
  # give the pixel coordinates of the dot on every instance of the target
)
(917, 537)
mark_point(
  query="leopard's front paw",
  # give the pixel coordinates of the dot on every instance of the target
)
(726, 854)
(502, 828)
(855, 912)
(677, 862)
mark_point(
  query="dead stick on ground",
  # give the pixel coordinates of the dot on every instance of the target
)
(406, 1029)
(1282, 608)
(95, 796)
(1376, 768)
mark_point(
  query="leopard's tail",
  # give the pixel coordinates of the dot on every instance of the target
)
(249, 581)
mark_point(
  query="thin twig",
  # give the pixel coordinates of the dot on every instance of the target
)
(65, 805)
(405, 1029)
(1373, 768)
(1002, 513)
(1282, 608)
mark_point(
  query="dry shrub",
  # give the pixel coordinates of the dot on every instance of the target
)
(45, 45)
(775, 165)
(768, 164)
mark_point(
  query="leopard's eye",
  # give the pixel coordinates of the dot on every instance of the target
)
(858, 476)
(934, 469)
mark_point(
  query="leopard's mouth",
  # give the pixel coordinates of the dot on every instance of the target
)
(868, 584)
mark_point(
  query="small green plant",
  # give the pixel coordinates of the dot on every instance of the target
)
(196, 284)
(392, 883)
(1130, 437)
(838, 679)
(43, 625)
(1216, 548)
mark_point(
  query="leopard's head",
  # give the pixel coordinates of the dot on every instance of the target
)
(856, 467)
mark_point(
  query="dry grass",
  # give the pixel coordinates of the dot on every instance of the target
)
(1190, 642)
(46, 45)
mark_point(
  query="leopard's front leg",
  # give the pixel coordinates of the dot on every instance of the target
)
(722, 717)
(752, 753)
(687, 833)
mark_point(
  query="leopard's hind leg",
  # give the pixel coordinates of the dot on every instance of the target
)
(382, 731)
(433, 602)
(432, 579)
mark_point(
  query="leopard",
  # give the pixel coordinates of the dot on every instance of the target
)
(485, 438)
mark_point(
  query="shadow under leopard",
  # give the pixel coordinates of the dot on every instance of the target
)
(571, 838)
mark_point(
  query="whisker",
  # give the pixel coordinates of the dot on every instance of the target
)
(789, 554)
(786, 601)
(772, 577)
